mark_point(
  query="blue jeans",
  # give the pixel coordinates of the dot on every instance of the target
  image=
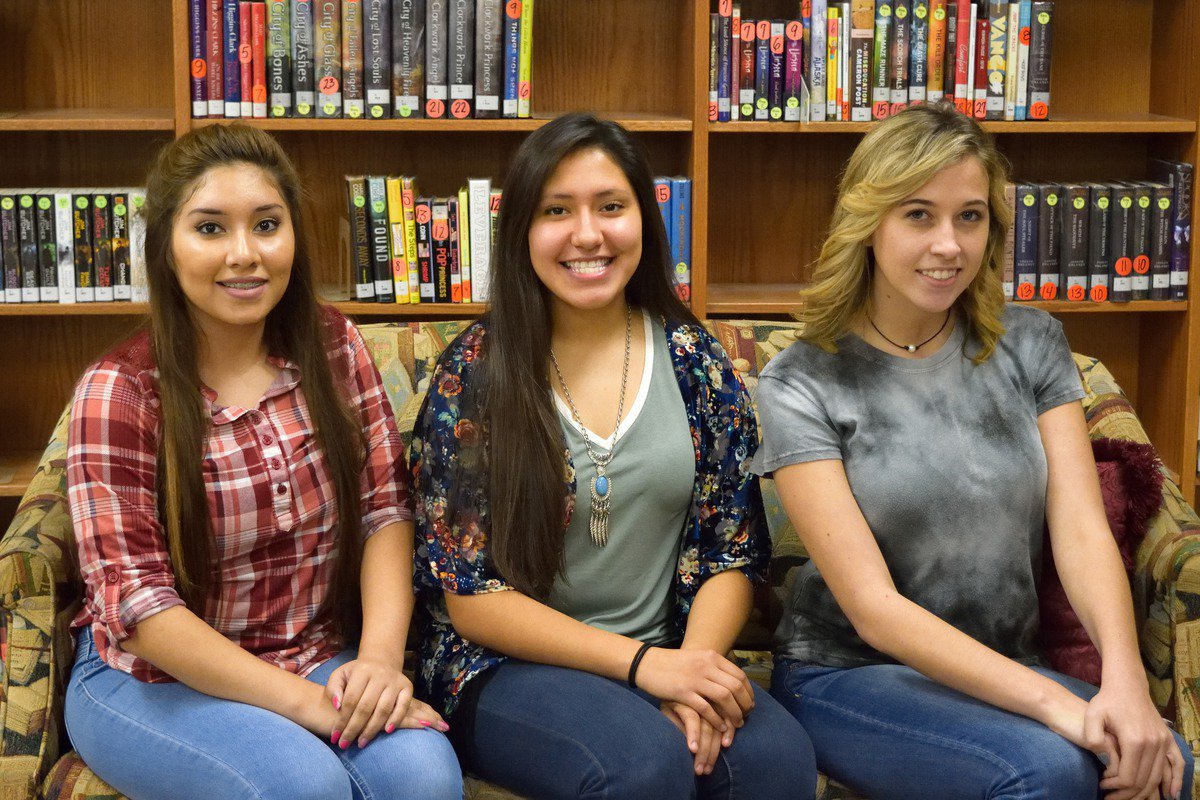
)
(890, 733)
(159, 740)
(551, 732)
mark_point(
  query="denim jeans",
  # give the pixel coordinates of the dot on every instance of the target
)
(890, 733)
(165, 740)
(551, 732)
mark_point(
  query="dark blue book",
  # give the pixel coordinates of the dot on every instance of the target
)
(232, 66)
(512, 57)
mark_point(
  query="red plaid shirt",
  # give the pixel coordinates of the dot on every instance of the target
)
(272, 504)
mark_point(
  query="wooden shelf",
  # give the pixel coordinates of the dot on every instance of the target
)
(88, 119)
(729, 299)
(16, 471)
(354, 309)
(73, 309)
(644, 123)
(1125, 123)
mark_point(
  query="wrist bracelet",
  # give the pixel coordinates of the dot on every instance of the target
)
(633, 665)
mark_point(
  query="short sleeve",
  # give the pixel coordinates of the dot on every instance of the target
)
(1055, 377)
(111, 487)
(795, 427)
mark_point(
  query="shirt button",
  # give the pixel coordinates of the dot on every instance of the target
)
(281, 489)
(268, 439)
(113, 577)
(255, 417)
(276, 463)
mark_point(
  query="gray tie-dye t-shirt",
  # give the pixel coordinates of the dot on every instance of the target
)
(945, 461)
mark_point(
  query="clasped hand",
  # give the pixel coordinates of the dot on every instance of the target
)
(369, 696)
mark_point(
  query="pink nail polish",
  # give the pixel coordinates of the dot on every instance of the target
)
(443, 727)
(333, 739)
(424, 724)
(362, 743)
(343, 744)
(337, 703)
(390, 727)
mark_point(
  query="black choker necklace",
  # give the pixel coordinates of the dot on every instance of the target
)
(912, 348)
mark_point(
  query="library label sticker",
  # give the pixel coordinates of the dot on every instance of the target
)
(1079, 203)
(423, 214)
(354, 112)
(139, 200)
(1144, 201)
(885, 10)
(245, 54)
(7, 204)
(1164, 203)
(1099, 294)
(378, 206)
(761, 103)
(793, 102)
(795, 31)
(1126, 203)
(26, 201)
(460, 109)
(663, 192)
(277, 111)
(939, 13)
(80, 202)
(1075, 292)
(328, 85)
(1049, 291)
(725, 7)
(303, 109)
(359, 201)
(1026, 39)
(405, 111)
(199, 68)
(434, 108)
(330, 109)
(1025, 291)
(376, 111)
(747, 109)
(1044, 18)
(44, 203)
(920, 11)
(513, 9)
(1102, 203)
(101, 202)
(764, 29)
(1052, 200)
(776, 113)
(119, 209)
(901, 12)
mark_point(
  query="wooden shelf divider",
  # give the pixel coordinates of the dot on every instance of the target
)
(16, 471)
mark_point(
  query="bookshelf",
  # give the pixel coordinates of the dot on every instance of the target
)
(92, 89)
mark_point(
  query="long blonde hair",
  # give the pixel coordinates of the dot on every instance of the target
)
(892, 162)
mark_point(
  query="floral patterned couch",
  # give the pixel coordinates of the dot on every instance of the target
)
(39, 585)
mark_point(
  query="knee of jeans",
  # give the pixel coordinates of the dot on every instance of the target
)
(1054, 770)
(431, 769)
(317, 782)
(665, 772)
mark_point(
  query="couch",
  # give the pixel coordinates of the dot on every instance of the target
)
(39, 584)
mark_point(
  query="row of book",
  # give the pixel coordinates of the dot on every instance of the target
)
(361, 59)
(405, 247)
(868, 59)
(72, 245)
(1111, 241)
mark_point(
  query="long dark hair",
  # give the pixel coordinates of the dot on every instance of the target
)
(295, 329)
(526, 489)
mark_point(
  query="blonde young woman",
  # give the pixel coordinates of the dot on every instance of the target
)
(921, 434)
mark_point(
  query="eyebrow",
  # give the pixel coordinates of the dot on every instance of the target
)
(216, 212)
(918, 201)
(569, 196)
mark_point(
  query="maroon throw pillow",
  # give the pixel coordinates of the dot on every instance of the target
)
(1131, 484)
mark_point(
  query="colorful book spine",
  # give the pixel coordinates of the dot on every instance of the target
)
(997, 58)
(258, 65)
(478, 196)
(424, 216)
(901, 44)
(397, 257)
(1025, 247)
(377, 220)
(47, 249)
(214, 41)
(735, 55)
(361, 268)
(452, 249)
(762, 70)
(245, 57)
(525, 62)
(724, 47)
(795, 94)
(881, 97)
(1143, 194)
(1008, 259)
(10, 249)
(1013, 57)
(140, 288)
(1120, 247)
(776, 78)
(964, 32)
(494, 199)
(461, 63)
(1179, 177)
(231, 29)
(918, 63)
(662, 195)
(489, 55)
(439, 249)
(951, 52)
(983, 28)
(681, 210)
(64, 245)
(845, 68)
(354, 96)
(937, 51)
(279, 58)
(328, 58)
(122, 266)
(1040, 37)
(833, 75)
(85, 267)
(1162, 221)
(463, 232)
(512, 58)
(199, 63)
(862, 20)
(437, 73)
(102, 246)
(746, 47)
(408, 58)
(1073, 256)
(28, 244)
(816, 60)
(1024, 34)
(304, 71)
(408, 197)
(1099, 241)
(377, 59)
(714, 35)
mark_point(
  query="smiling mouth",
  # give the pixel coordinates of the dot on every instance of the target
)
(592, 266)
(249, 283)
(939, 274)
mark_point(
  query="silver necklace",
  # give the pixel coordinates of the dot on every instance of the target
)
(601, 484)
(912, 348)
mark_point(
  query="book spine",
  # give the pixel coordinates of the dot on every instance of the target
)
(845, 66)
(512, 58)
(775, 83)
(1025, 246)
(1099, 241)
(461, 58)
(1073, 257)
(735, 61)
(494, 199)
(304, 69)
(139, 284)
(122, 268)
(199, 64)
(1049, 241)
(395, 229)
(1008, 260)
(489, 58)
(964, 31)
(937, 50)
(258, 65)
(463, 231)
(381, 259)
(881, 96)
(794, 92)
(424, 216)
(377, 59)
(982, 33)
(233, 68)
(525, 62)
(455, 263)
(64, 245)
(862, 20)
(1024, 33)
(1162, 222)
(746, 46)
(816, 61)
(724, 44)
(662, 195)
(245, 56)
(833, 73)
(214, 40)
(328, 58)
(1181, 240)
(354, 96)
(1040, 39)
(48, 250)
(762, 70)
(102, 247)
(437, 87)
(1120, 249)
(1012, 56)
(439, 244)
(85, 267)
(408, 197)
(10, 249)
(279, 58)
(361, 267)
(918, 64)
(681, 209)
(997, 58)
(898, 59)
(714, 35)
(951, 54)
(28, 245)
(1143, 196)
(408, 58)
(479, 191)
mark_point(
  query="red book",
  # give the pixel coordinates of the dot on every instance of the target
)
(258, 42)
(962, 55)
(246, 56)
(982, 28)
(215, 48)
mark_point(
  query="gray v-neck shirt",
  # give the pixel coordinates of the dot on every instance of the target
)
(946, 463)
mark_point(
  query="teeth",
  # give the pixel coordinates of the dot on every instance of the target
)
(242, 284)
(588, 267)
(939, 274)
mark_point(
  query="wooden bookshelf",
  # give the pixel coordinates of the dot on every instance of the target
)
(16, 471)
(762, 192)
